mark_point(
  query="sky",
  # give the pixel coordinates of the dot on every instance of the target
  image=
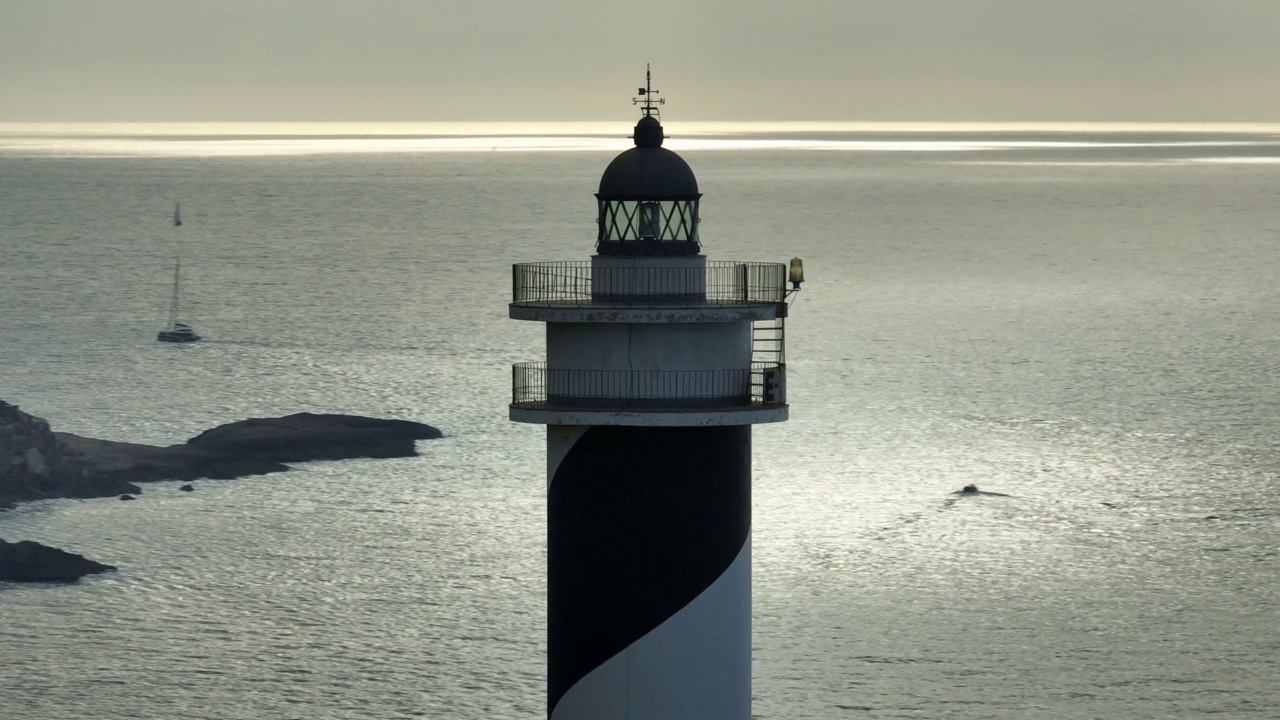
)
(715, 60)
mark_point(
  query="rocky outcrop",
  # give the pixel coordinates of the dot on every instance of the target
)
(31, 461)
(305, 436)
(36, 462)
(32, 562)
(111, 462)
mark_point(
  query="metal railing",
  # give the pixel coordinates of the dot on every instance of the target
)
(535, 385)
(721, 282)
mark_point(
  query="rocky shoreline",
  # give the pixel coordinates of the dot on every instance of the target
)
(37, 463)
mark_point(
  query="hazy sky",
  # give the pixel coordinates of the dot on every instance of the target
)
(976, 60)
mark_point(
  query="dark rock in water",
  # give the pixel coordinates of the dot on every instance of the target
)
(973, 490)
(37, 463)
(187, 488)
(112, 461)
(306, 436)
(32, 562)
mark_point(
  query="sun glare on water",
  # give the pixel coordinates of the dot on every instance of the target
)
(266, 139)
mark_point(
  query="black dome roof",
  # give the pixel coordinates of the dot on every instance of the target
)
(648, 171)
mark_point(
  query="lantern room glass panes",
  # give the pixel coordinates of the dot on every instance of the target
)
(661, 220)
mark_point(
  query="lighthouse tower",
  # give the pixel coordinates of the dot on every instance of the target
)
(659, 361)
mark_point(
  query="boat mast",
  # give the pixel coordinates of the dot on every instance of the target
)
(177, 270)
(173, 301)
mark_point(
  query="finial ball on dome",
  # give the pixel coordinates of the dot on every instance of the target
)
(649, 132)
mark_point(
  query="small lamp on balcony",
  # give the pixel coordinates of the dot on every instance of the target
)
(796, 275)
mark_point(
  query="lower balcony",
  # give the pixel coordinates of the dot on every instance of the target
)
(648, 397)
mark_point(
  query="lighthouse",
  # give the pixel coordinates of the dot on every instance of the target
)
(658, 362)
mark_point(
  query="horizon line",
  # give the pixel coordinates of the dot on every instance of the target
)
(610, 127)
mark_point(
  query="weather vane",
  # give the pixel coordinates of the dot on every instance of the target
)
(647, 96)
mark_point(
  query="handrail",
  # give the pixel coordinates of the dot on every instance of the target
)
(534, 384)
(576, 282)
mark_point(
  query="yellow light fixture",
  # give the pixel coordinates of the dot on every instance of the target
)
(796, 275)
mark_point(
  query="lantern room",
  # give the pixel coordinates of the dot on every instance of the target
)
(648, 198)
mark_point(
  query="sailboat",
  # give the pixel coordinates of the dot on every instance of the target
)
(175, 331)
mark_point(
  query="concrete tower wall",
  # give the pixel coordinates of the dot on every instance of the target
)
(649, 346)
(648, 279)
(705, 363)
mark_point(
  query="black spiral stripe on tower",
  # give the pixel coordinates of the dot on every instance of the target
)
(641, 520)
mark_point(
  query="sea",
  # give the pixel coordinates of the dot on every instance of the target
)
(1083, 319)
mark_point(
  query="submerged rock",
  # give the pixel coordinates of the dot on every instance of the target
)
(187, 488)
(28, 561)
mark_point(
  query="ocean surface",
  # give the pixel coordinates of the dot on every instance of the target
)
(1084, 319)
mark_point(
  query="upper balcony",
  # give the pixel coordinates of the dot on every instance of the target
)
(648, 290)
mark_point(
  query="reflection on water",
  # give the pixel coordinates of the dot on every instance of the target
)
(1095, 341)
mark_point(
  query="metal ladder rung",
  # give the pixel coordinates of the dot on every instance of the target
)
(767, 341)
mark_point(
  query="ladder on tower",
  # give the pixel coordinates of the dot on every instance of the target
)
(768, 384)
(768, 341)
